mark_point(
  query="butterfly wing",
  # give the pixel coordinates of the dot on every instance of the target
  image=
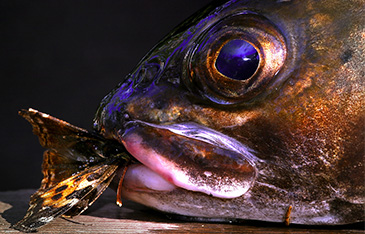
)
(77, 167)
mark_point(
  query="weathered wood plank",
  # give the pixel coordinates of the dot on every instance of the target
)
(106, 217)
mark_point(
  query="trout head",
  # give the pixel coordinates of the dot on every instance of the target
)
(245, 109)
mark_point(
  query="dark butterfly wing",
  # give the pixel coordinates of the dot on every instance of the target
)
(59, 199)
(77, 167)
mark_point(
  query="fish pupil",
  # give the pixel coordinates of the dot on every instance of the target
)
(238, 60)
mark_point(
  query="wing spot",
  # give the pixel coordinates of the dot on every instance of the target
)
(78, 179)
(60, 189)
(57, 197)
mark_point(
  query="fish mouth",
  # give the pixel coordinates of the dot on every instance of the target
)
(189, 156)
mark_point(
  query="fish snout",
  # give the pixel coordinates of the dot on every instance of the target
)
(112, 114)
(139, 97)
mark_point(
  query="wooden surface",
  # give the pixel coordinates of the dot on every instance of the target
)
(106, 217)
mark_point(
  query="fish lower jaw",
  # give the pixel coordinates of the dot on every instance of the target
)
(140, 178)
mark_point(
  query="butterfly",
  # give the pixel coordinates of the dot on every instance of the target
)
(78, 166)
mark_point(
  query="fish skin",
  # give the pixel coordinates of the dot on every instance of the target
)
(305, 125)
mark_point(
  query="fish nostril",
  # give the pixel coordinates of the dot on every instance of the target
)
(147, 72)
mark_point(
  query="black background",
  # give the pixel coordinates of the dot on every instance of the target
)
(62, 58)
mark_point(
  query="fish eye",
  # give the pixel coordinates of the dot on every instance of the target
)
(235, 59)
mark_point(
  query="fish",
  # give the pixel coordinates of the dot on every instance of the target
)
(248, 110)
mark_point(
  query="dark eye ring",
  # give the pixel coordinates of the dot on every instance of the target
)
(236, 58)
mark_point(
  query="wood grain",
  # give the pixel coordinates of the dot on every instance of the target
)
(106, 217)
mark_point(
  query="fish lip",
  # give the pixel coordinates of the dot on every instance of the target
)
(205, 134)
(193, 131)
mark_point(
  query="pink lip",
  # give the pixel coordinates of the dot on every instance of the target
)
(140, 178)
